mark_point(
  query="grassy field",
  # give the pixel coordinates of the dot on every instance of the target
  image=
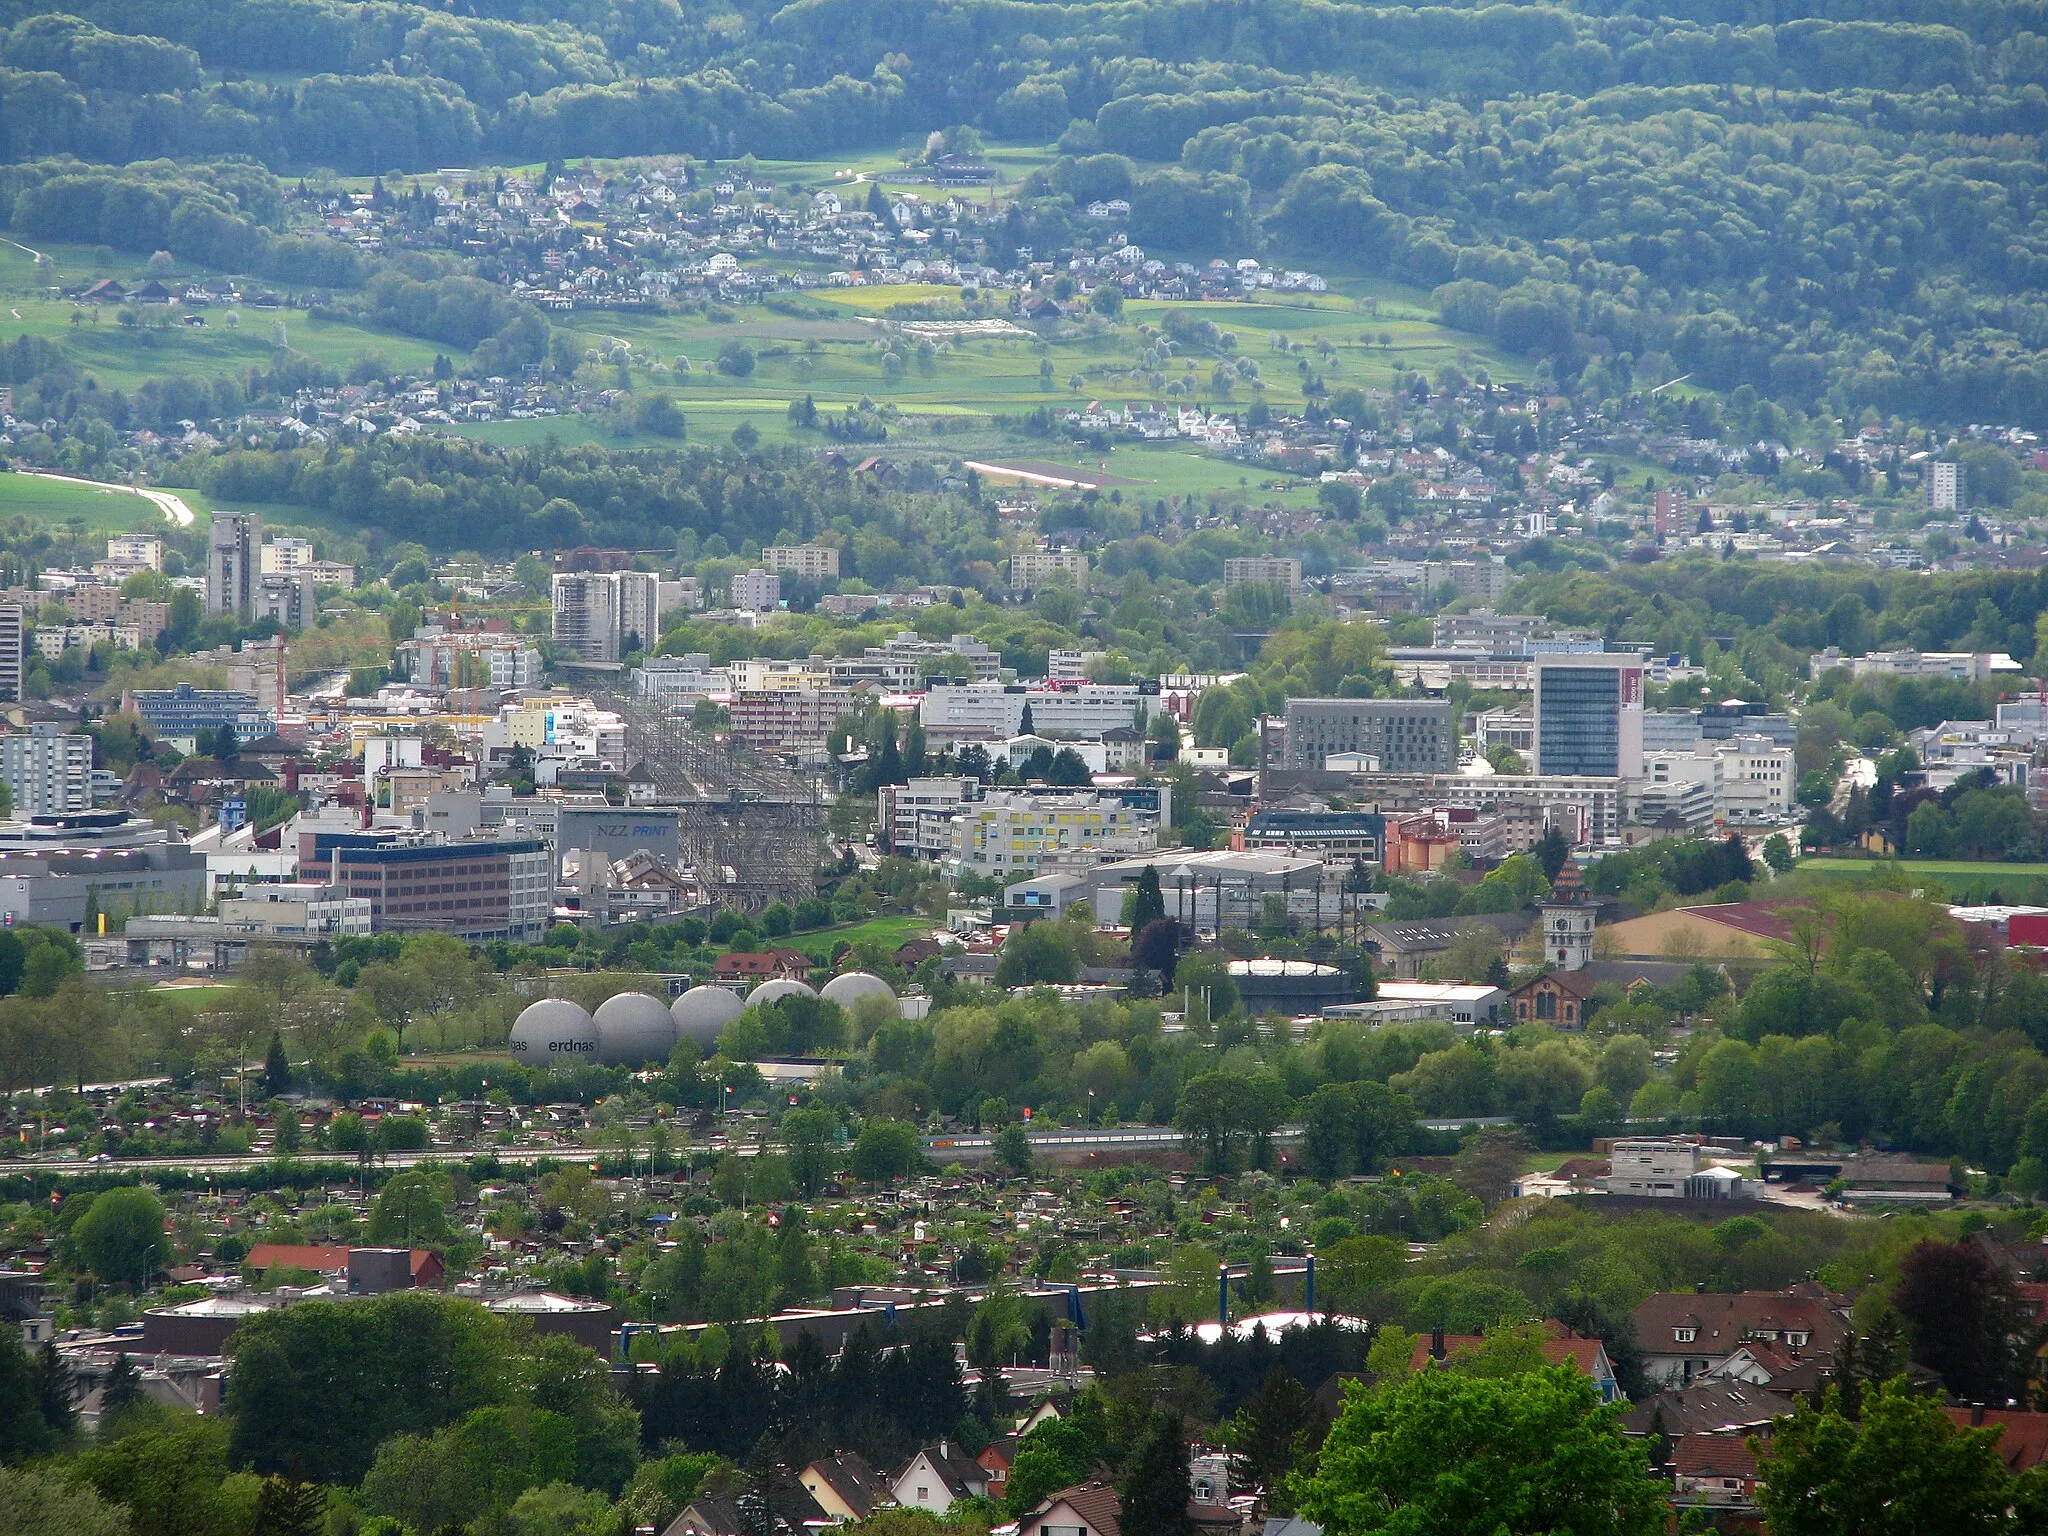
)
(886, 931)
(98, 508)
(1957, 876)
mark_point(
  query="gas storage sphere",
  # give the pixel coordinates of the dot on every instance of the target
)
(850, 988)
(552, 1032)
(702, 1013)
(775, 991)
(634, 1029)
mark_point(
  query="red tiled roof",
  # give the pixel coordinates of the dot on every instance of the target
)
(1583, 1353)
(2024, 1438)
(1713, 1456)
(1724, 1320)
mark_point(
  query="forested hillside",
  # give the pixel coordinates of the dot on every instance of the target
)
(1837, 204)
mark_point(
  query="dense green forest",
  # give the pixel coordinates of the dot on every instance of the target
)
(1837, 205)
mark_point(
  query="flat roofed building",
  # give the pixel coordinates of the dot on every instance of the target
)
(477, 889)
(1406, 735)
(1589, 715)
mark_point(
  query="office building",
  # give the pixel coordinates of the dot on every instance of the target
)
(811, 562)
(47, 770)
(234, 565)
(1742, 717)
(679, 679)
(1277, 571)
(1587, 804)
(1031, 569)
(1947, 486)
(1008, 835)
(1217, 889)
(1589, 716)
(757, 591)
(1500, 634)
(1671, 730)
(1514, 729)
(183, 711)
(1406, 735)
(478, 890)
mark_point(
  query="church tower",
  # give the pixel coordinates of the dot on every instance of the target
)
(1567, 919)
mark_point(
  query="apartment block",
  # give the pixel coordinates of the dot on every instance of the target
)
(916, 818)
(812, 562)
(1008, 835)
(47, 770)
(1406, 735)
(757, 591)
(1278, 571)
(1031, 569)
(234, 564)
(789, 720)
(1947, 486)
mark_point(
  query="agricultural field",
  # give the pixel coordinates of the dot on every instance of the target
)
(964, 396)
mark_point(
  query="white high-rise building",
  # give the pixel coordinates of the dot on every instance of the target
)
(11, 630)
(283, 555)
(47, 770)
(1947, 486)
(639, 611)
(234, 565)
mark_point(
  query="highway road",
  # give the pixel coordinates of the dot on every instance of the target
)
(961, 1146)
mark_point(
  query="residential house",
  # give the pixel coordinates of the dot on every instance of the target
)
(1684, 1334)
(1714, 1472)
(794, 1512)
(845, 1486)
(1709, 1406)
(1561, 1347)
(1090, 1509)
(939, 1476)
(764, 965)
(2023, 1440)
(996, 1458)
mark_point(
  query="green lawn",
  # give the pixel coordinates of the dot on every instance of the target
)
(1989, 867)
(1962, 879)
(886, 931)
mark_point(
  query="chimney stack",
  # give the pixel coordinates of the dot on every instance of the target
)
(1436, 1344)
